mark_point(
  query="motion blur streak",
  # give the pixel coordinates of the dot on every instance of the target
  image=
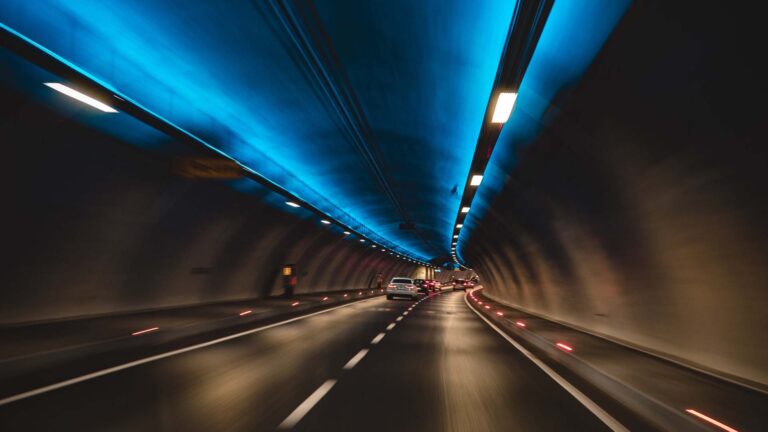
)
(145, 331)
(711, 420)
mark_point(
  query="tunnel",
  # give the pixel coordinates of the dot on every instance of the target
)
(338, 215)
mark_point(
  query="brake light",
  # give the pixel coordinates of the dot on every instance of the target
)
(391, 286)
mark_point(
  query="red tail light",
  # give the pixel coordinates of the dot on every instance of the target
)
(391, 286)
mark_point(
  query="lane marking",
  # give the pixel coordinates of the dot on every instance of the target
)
(391, 326)
(139, 362)
(378, 338)
(356, 359)
(711, 420)
(145, 331)
(399, 318)
(405, 313)
(588, 403)
(307, 405)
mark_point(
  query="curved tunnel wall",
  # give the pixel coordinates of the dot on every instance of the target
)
(95, 226)
(640, 211)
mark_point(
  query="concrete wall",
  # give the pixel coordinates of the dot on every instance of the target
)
(95, 226)
(640, 213)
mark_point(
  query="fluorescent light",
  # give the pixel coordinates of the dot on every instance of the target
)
(292, 204)
(504, 105)
(465, 209)
(459, 225)
(81, 97)
(373, 246)
(456, 236)
(362, 240)
(325, 222)
(454, 243)
(347, 233)
(476, 179)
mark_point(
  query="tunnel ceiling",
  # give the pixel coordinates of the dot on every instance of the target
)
(368, 110)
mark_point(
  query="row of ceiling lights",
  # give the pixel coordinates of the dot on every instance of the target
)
(374, 245)
(504, 105)
(88, 100)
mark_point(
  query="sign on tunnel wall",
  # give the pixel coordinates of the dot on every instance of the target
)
(207, 168)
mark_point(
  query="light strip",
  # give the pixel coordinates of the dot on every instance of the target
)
(711, 420)
(504, 105)
(81, 97)
(476, 180)
(292, 204)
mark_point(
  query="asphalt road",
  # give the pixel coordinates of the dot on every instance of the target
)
(437, 368)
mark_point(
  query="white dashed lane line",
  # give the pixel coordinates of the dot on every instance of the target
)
(356, 359)
(378, 338)
(307, 405)
(391, 326)
(399, 318)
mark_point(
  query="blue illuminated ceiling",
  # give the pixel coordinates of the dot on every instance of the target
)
(572, 37)
(370, 111)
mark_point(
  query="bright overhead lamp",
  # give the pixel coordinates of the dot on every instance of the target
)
(347, 233)
(504, 105)
(465, 209)
(292, 204)
(476, 180)
(456, 236)
(362, 240)
(373, 246)
(454, 243)
(459, 225)
(81, 97)
(325, 222)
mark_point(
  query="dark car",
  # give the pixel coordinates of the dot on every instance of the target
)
(422, 285)
(435, 285)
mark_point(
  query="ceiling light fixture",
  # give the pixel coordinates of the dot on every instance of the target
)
(61, 88)
(504, 105)
(465, 209)
(292, 204)
(476, 180)
(325, 222)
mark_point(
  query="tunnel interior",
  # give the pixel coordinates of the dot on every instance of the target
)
(286, 161)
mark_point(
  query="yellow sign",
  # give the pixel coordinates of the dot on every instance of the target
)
(207, 168)
(287, 270)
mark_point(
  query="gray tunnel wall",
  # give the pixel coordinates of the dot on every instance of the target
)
(640, 213)
(95, 226)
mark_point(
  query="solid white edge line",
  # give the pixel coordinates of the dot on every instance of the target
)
(118, 368)
(356, 359)
(391, 326)
(378, 338)
(307, 405)
(588, 403)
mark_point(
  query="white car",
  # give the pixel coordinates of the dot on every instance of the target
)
(402, 287)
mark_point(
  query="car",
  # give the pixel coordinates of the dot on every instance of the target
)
(423, 285)
(402, 287)
(433, 285)
(462, 284)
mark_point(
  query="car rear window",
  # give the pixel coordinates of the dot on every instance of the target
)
(405, 281)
